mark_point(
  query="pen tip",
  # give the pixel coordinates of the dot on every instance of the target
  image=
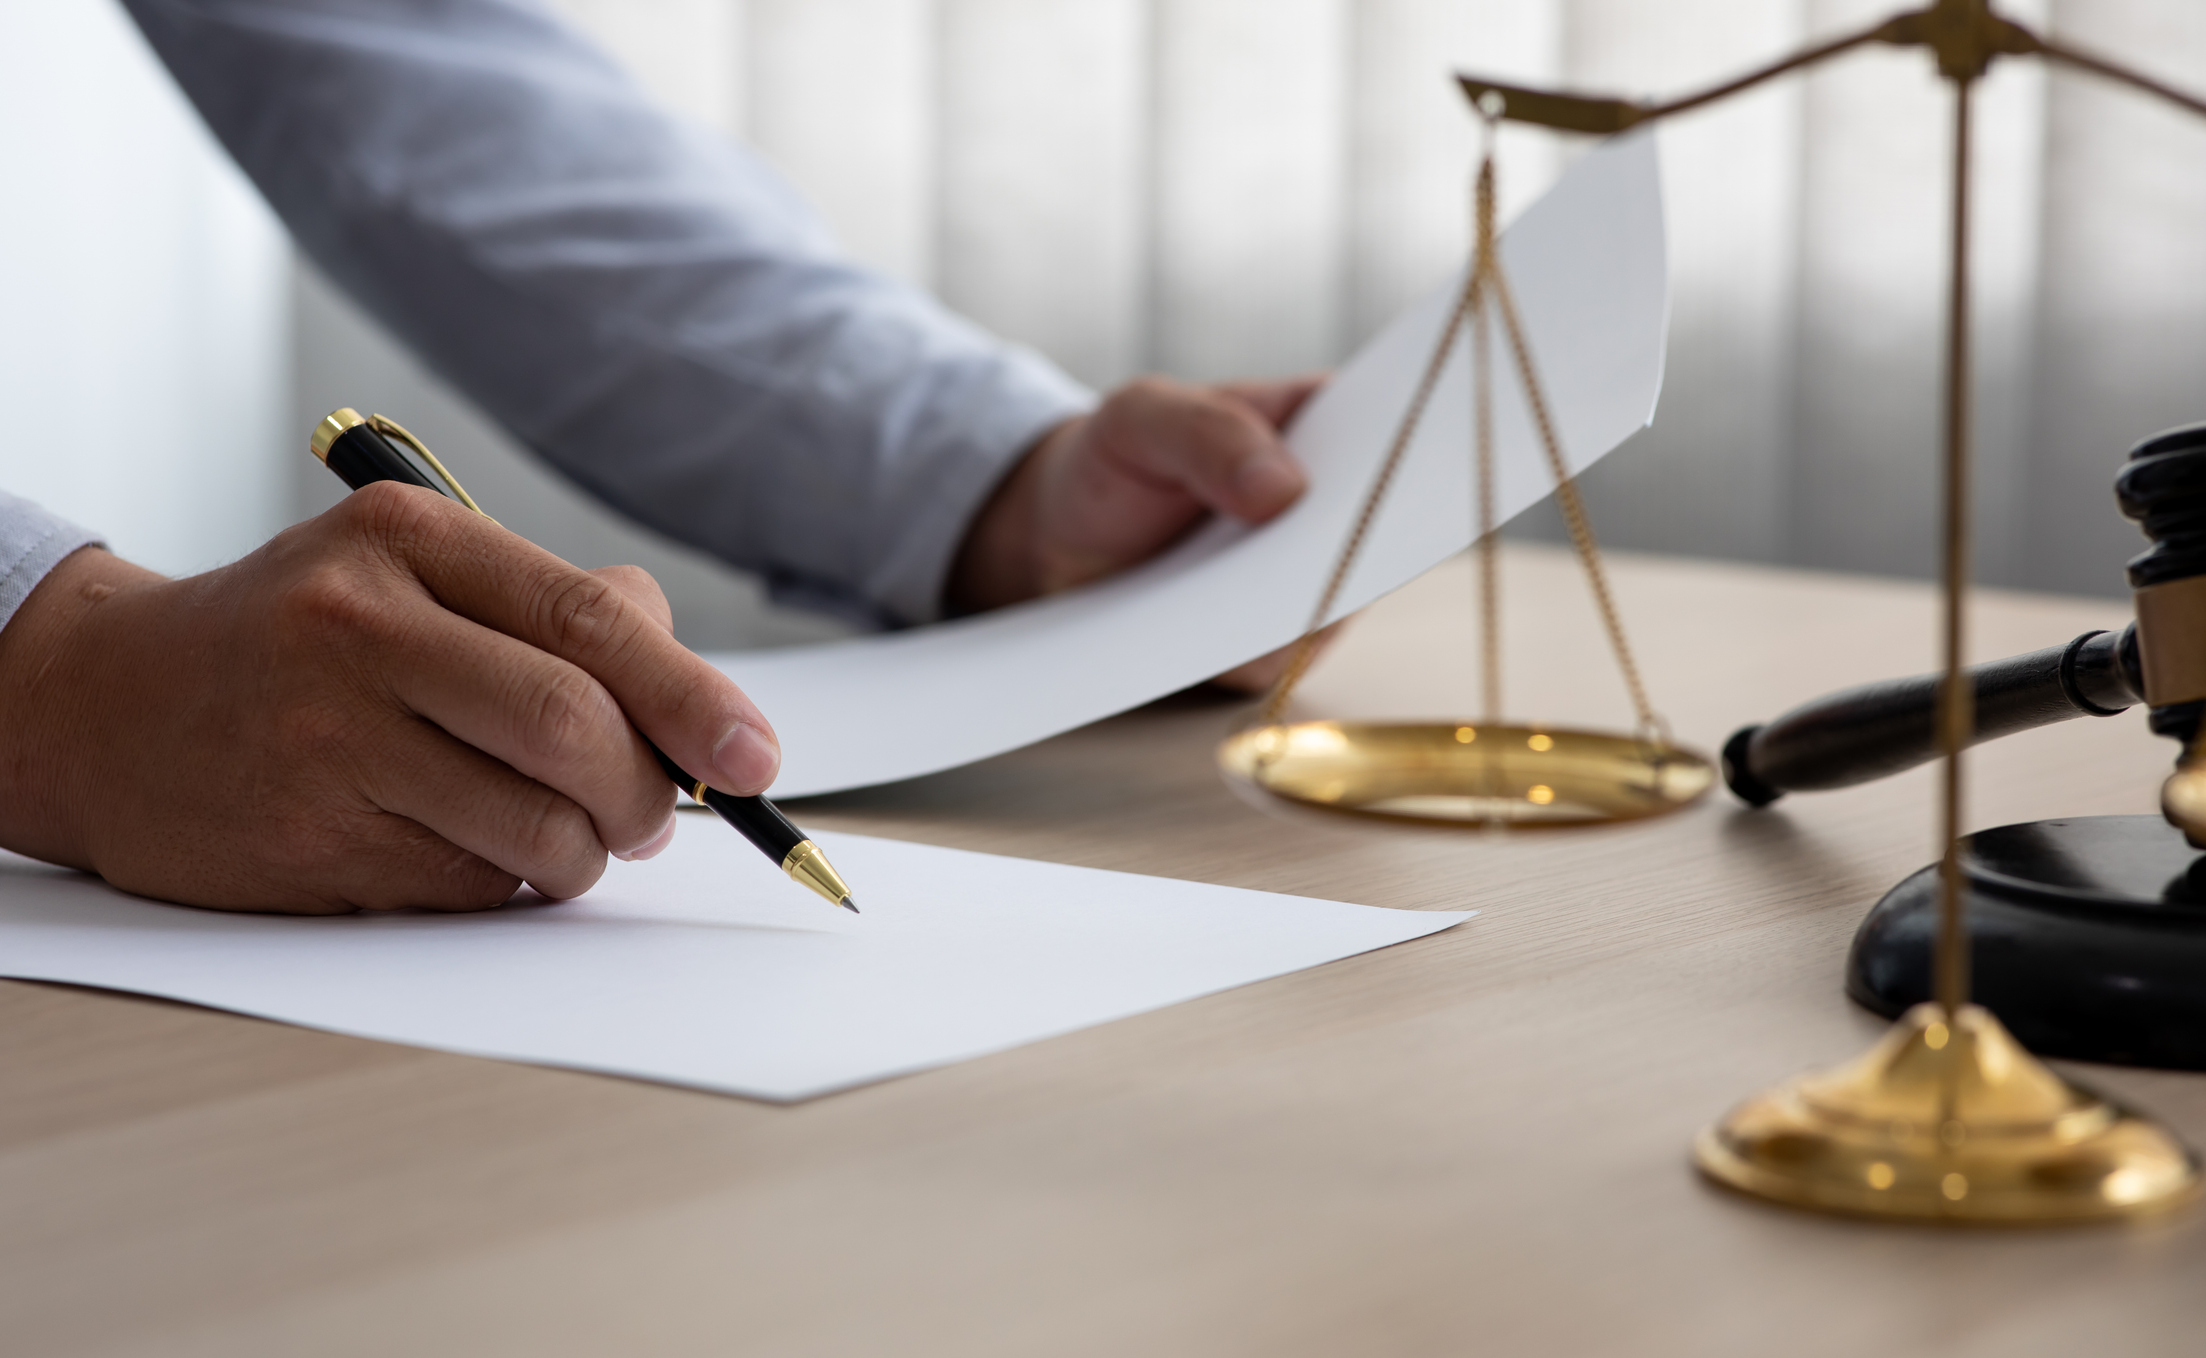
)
(850, 905)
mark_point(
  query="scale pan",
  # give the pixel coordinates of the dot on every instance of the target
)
(1446, 773)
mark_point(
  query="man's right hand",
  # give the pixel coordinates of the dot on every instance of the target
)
(395, 704)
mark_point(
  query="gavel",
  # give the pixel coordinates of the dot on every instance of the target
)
(1860, 734)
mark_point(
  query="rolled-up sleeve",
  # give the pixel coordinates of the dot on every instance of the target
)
(32, 542)
(646, 305)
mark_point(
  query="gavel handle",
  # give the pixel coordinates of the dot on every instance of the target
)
(1865, 733)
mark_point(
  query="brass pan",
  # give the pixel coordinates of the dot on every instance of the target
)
(1449, 773)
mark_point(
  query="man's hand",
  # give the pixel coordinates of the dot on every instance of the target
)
(1115, 487)
(395, 704)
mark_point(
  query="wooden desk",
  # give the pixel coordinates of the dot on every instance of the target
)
(1475, 1143)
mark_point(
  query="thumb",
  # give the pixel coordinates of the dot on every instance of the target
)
(1218, 449)
(1278, 402)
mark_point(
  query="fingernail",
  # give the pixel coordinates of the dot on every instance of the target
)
(1268, 483)
(656, 847)
(747, 760)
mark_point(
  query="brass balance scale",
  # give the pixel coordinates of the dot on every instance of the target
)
(1947, 1118)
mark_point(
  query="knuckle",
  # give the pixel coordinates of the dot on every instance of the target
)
(1141, 404)
(331, 601)
(640, 587)
(349, 856)
(580, 614)
(642, 815)
(567, 714)
(307, 839)
(1219, 426)
(454, 879)
(559, 846)
(390, 510)
(1149, 389)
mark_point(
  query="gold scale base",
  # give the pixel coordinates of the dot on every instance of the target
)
(1947, 1124)
(1443, 773)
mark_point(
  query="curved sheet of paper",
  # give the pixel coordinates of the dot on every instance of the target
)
(1588, 266)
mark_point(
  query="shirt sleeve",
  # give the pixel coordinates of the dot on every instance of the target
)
(646, 305)
(32, 542)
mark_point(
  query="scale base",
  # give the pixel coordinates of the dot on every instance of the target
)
(1947, 1124)
(2088, 939)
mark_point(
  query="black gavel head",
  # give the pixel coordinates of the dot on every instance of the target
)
(2163, 487)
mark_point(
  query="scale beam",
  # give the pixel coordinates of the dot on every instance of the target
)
(1965, 36)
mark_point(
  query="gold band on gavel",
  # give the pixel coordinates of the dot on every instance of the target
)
(2171, 640)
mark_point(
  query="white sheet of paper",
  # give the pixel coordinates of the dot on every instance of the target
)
(1588, 266)
(707, 967)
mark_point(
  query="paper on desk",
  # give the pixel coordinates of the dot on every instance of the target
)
(1587, 262)
(707, 967)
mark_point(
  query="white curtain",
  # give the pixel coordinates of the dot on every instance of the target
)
(1217, 187)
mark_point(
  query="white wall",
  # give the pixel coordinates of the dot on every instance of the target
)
(144, 312)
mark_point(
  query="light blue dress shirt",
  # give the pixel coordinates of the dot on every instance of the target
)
(646, 305)
(32, 542)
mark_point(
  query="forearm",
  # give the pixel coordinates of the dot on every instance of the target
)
(49, 774)
(646, 305)
(40, 557)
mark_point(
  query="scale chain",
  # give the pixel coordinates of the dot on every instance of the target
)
(1574, 515)
(1306, 648)
(1485, 284)
(1482, 404)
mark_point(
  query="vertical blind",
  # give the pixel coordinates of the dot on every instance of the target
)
(1221, 187)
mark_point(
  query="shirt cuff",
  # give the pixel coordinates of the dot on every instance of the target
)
(998, 420)
(32, 542)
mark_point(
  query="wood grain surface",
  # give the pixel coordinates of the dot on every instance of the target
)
(1474, 1143)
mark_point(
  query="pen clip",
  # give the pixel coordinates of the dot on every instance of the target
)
(384, 424)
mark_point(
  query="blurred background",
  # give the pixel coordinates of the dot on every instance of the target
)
(1206, 188)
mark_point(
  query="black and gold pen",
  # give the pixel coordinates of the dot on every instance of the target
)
(366, 449)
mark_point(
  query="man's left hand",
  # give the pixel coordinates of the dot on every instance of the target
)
(1117, 486)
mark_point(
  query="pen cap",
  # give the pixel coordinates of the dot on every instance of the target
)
(360, 456)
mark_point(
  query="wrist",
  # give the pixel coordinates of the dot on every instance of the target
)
(49, 768)
(998, 562)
